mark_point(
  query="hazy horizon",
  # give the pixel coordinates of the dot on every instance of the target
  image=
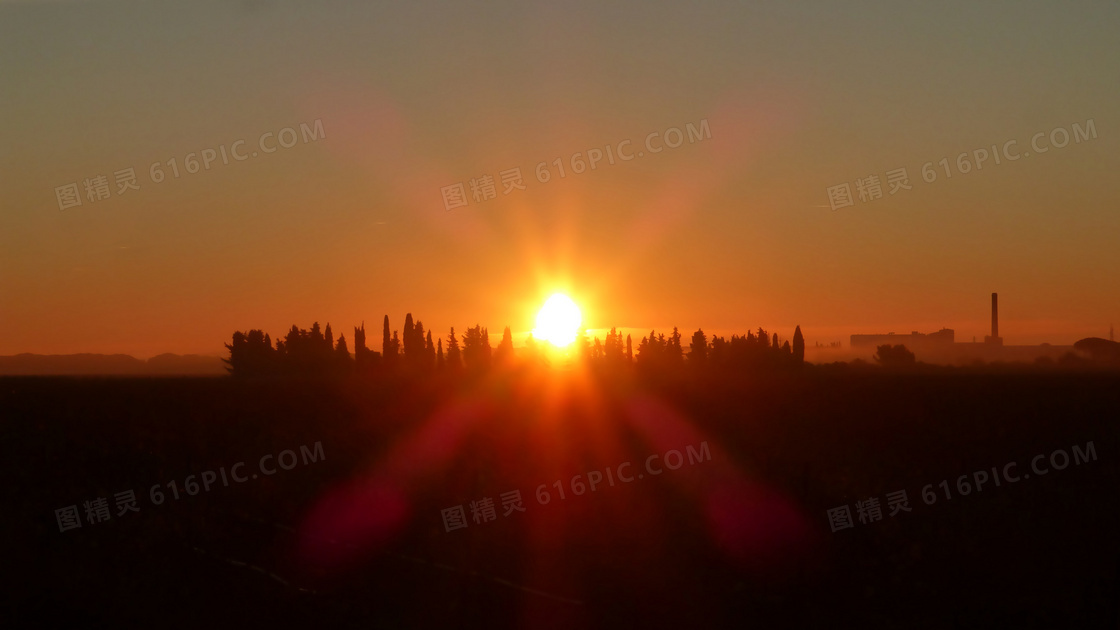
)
(519, 338)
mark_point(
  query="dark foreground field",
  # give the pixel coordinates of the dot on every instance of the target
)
(736, 535)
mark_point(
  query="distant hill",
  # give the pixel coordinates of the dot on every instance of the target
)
(110, 365)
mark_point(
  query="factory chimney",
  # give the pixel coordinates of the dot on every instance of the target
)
(994, 339)
(995, 316)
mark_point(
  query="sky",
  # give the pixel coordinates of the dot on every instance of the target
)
(389, 105)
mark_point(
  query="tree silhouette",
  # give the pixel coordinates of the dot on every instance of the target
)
(360, 339)
(409, 345)
(698, 349)
(365, 360)
(454, 363)
(893, 356)
(798, 346)
(612, 348)
(674, 354)
(250, 355)
(531, 349)
(360, 348)
(388, 352)
(476, 348)
(649, 351)
(429, 353)
(421, 351)
(343, 361)
(504, 352)
(316, 340)
(582, 346)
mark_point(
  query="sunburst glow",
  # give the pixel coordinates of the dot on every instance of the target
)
(558, 321)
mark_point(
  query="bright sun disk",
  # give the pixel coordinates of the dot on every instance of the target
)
(558, 321)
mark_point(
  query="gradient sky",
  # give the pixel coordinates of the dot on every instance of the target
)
(730, 233)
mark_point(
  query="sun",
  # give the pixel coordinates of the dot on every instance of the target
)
(558, 321)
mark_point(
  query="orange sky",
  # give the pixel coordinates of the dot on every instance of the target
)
(730, 232)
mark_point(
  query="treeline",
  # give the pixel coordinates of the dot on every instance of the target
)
(753, 350)
(316, 352)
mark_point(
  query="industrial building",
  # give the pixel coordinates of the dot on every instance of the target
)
(940, 346)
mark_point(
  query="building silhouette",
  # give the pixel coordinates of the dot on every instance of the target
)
(940, 346)
(914, 341)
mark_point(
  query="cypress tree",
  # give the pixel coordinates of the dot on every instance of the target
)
(798, 346)
(387, 342)
(409, 340)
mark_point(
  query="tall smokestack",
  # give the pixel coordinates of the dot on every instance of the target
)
(995, 316)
